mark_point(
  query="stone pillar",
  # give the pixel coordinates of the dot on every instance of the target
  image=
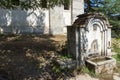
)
(77, 46)
(109, 42)
(71, 40)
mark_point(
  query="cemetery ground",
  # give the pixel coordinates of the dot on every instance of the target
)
(33, 57)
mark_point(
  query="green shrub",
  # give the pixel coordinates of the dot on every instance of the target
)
(17, 38)
(116, 49)
(86, 70)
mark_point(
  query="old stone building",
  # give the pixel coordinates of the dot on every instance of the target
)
(40, 21)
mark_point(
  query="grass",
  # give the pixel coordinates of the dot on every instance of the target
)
(117, 57)
(56, 68)
(116, 49)
(86, 70)
(17, 38)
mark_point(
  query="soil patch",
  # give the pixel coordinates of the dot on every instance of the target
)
(29, 57)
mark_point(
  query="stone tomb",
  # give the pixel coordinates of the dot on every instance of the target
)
(89, 40)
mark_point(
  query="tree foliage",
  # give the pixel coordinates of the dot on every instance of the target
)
(106, 6)
(32, 4)
(110, 8)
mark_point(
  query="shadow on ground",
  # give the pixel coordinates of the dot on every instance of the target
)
(28, 57)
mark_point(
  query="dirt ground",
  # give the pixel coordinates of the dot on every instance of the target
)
(29, 57)
(32, 57)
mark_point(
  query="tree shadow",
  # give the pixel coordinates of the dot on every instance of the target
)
(28, 58)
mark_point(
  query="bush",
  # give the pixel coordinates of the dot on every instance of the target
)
(116, 48)
(115, 27)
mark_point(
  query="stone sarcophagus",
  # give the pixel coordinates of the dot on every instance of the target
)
(89, 37)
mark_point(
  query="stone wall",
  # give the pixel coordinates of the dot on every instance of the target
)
(40, 21)
(59, 19)
(78, 8)
(20, 21)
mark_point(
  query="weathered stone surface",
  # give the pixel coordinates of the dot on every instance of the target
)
(116, 76)
(83, 77)
(106, 66)
(89, 36)
(67, 63)
(40, 21)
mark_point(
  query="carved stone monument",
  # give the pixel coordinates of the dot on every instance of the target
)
(89, 37)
